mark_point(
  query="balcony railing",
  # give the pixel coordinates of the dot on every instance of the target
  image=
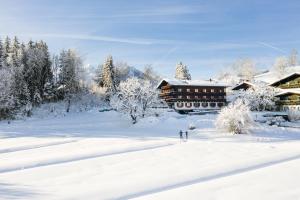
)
(297, 85)
(288, 102)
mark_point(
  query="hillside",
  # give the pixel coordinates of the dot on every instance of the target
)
(101, 155)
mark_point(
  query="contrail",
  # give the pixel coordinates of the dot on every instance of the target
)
(272, 47)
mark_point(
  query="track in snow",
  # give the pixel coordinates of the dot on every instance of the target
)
(82, 157)
(209, 177)
(35, 146)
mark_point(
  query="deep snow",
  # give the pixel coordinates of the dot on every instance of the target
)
(100, 155)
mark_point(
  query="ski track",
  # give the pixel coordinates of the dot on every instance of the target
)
(35, 146)
(209, 178)
(83, 157)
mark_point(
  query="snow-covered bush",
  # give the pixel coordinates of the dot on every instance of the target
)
(275, 121)
(293, 115)
(135, 97)
(235, 118)
(260, 97)
(192, 126)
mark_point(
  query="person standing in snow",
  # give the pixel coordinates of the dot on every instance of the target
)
(186, 135)
(181, 135)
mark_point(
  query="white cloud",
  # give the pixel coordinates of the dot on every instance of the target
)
(139, 41)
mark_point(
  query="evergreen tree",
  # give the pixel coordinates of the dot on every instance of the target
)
(6, 51)
(108, 75)
(71, 68)
(182, 72)
(1, 55)
(7, 100)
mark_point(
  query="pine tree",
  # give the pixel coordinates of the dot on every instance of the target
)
(1, 55)
(109, 75)
(6, 51)
(7, 100)
(182, 72)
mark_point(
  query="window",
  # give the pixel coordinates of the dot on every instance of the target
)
(204, 97)
(212, 97)
(220, 105)
(204, 90)
(196, 97)
(180, 105)
(196, 105)
(188, 105)
(188, 90)
(179, 90)
(220, 97)
(221, 90)
(212, 105)
(204, 104)
(196, 90)
(188, 97)
(179, 97)
(212, 90)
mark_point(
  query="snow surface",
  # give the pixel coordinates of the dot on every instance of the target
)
(100, 155)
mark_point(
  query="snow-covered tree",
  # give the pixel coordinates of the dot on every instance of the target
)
(182, 72)
(135, 97)
(151, 75)
(108, 75)
(245, 69)
(6, 50)
(70, 77)
(1, 55)
(293, 58)
(37, 70)
(7, 100)
(260, 97)
(293, 115)
(235, 118)
(280, 66)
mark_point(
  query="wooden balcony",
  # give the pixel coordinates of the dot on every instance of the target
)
(297, 85)
(288, 102)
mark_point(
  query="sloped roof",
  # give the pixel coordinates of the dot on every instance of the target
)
(271, 76)
(240, 84)
(285, 78)
(178, 82)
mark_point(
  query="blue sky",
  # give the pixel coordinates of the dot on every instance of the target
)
(205, 35)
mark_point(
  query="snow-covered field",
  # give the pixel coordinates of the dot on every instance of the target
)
(100, 155)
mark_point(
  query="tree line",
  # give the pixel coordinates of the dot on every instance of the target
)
(29, 75)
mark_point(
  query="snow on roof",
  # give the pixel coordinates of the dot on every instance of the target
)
(244, 82)
(193, 82)
(271, 76)
(289, 91)
(285, 77)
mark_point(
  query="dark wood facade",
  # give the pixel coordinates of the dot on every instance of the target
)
(191, 97)
(289, 82)
(289, 98)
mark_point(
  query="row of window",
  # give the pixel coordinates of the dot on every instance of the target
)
(199, 90)
(200, 97)
(197, 105)
(286, 108)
